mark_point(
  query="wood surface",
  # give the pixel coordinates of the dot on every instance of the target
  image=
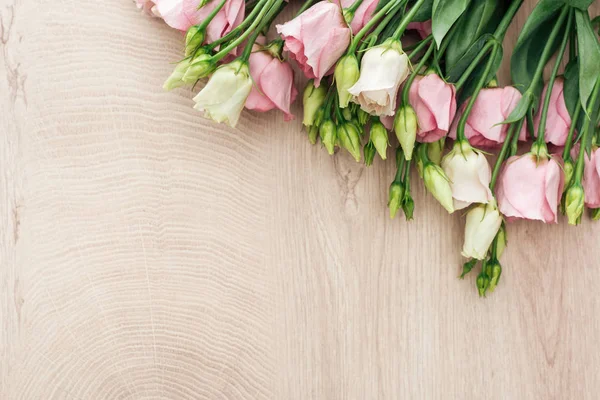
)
(147, 253)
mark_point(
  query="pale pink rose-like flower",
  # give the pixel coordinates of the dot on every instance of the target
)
(363, 13)
(434, 102)
(422, 28)
(529, 188)
(492, 106)
(558, 121)
(181, 14)
(591, 180)
(316, 39)
(273, 84)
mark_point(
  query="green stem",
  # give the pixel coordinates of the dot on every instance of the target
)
(507, 19)
(514, 145)
(569, 141)
(211, 16)
(307, 4)
(502, 155)
(383, 25)
(463, 78)
(371, 23)
(407, 175)
(414, 73)
(407, 19)
(544, 114)
(400, 160)
(587, 131)
(354, 6)
(235, 32)
(420, 46)
(462, 122)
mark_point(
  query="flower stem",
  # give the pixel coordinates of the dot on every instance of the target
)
(507, 19)
(251, 18)
(420, 46)
(407, 19)
(569, 141)
(504, 152)
(353, 7)
(211, 16)
(414, 73)
(463, 78)
(307, 4)
(371, 23)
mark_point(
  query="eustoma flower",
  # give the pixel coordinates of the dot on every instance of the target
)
(530, 188)
(483, 223)
(383, 69)
(558, 122)
(434, 103)
(316, 38)
(591, 179)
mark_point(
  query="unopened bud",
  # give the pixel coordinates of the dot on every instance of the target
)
(596, 214)
(312, 100)
(495, 273)
(175, 80)
(408, 205)
(275, 48)
(501, 241)
(483, 281)
(369, 151)
(347, 114)
(568, 167)
(574, 203)
(193, 39)
(379, 137)
(200, 67)
(438, 185)
(405, 126)
(467, 267)
(435, 150)
(346, 74)
(349, 136)
(313, 130)
(328, 134)
(395, 198)
(363, 116)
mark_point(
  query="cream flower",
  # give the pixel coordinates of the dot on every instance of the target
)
(483, 223)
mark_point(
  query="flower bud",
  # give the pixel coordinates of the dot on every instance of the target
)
(408, 205)
(501, 241)
(175, 80)
(200, 67)
(467, 267)
(483, 281)
(312, 100)
(328, 134)
(482, 226)
(350, 139)
(313, 130)
(494, 274)
(347, 114)
(275, 48)
(379, 137)
(363, 116)
(346, 74)
(435, 151)
(568, 167)
(369, 152)
(405, 126)
(193, 39)
(438, 185)
(575, 203)
(395, 198)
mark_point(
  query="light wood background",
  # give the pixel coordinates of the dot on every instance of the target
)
(146, 253)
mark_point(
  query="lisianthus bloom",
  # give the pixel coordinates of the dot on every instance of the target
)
(273, 84)
(316, 39)
(181, 14)
(422, 28)
(383, 69)
(483, 223)
(434, 102)
(484, 126)
(558, 121)
(591, 179)
(148, 7)
(363, 13)
(530, 188)
(225, 94)
(469, 174)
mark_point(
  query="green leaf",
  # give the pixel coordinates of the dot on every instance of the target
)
(589, 56)
(463, 63)
(424, 12)
(444, 15)
(580, 4)
(523, 107)
(471, 83)
(571, 88)
(531, 42)
(481, 17)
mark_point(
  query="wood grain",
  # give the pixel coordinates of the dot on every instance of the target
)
(146, 253)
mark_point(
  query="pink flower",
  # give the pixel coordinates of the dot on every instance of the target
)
(363, 13)
(558, 121)
(273, 84)
(316, 39)
(434, 102)
(530, 189)
(422, 28)
(591, 180)
(492, 106)
(181, 14)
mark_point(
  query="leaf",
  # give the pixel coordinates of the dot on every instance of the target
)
(461, 65)
(471, 84)
(424, 12)
(580, 4)
(530, 45)
(444, 15)
(589, 56)
(571, 88)
(523, 106)
(480, 17)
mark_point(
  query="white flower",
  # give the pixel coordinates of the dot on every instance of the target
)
(469, 174)
(383, 69)
(483, 223)
(225, 94)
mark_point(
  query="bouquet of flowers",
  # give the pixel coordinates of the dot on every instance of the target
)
(426, 71)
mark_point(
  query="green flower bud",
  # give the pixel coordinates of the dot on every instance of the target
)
(349, 136)
(275, 48)
(395, 198)
(193, 39)
(495, 271)
(568, 167)
(369, 151)
(487, 268)
(575, 203)
(596, 214)
(347, 114)
(501, 241)
(313, 130)
(328, 133)
(405, 126)
(346, 74)
(175, 80)
(408, 205)
(312, 100)
(379, 137)
(363, 116)
(200, 67)
(438, 185)
(435, 151)
(493, 83)
(467, 267)
(483, 281)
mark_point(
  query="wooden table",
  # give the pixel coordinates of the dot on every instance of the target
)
(148, 253)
